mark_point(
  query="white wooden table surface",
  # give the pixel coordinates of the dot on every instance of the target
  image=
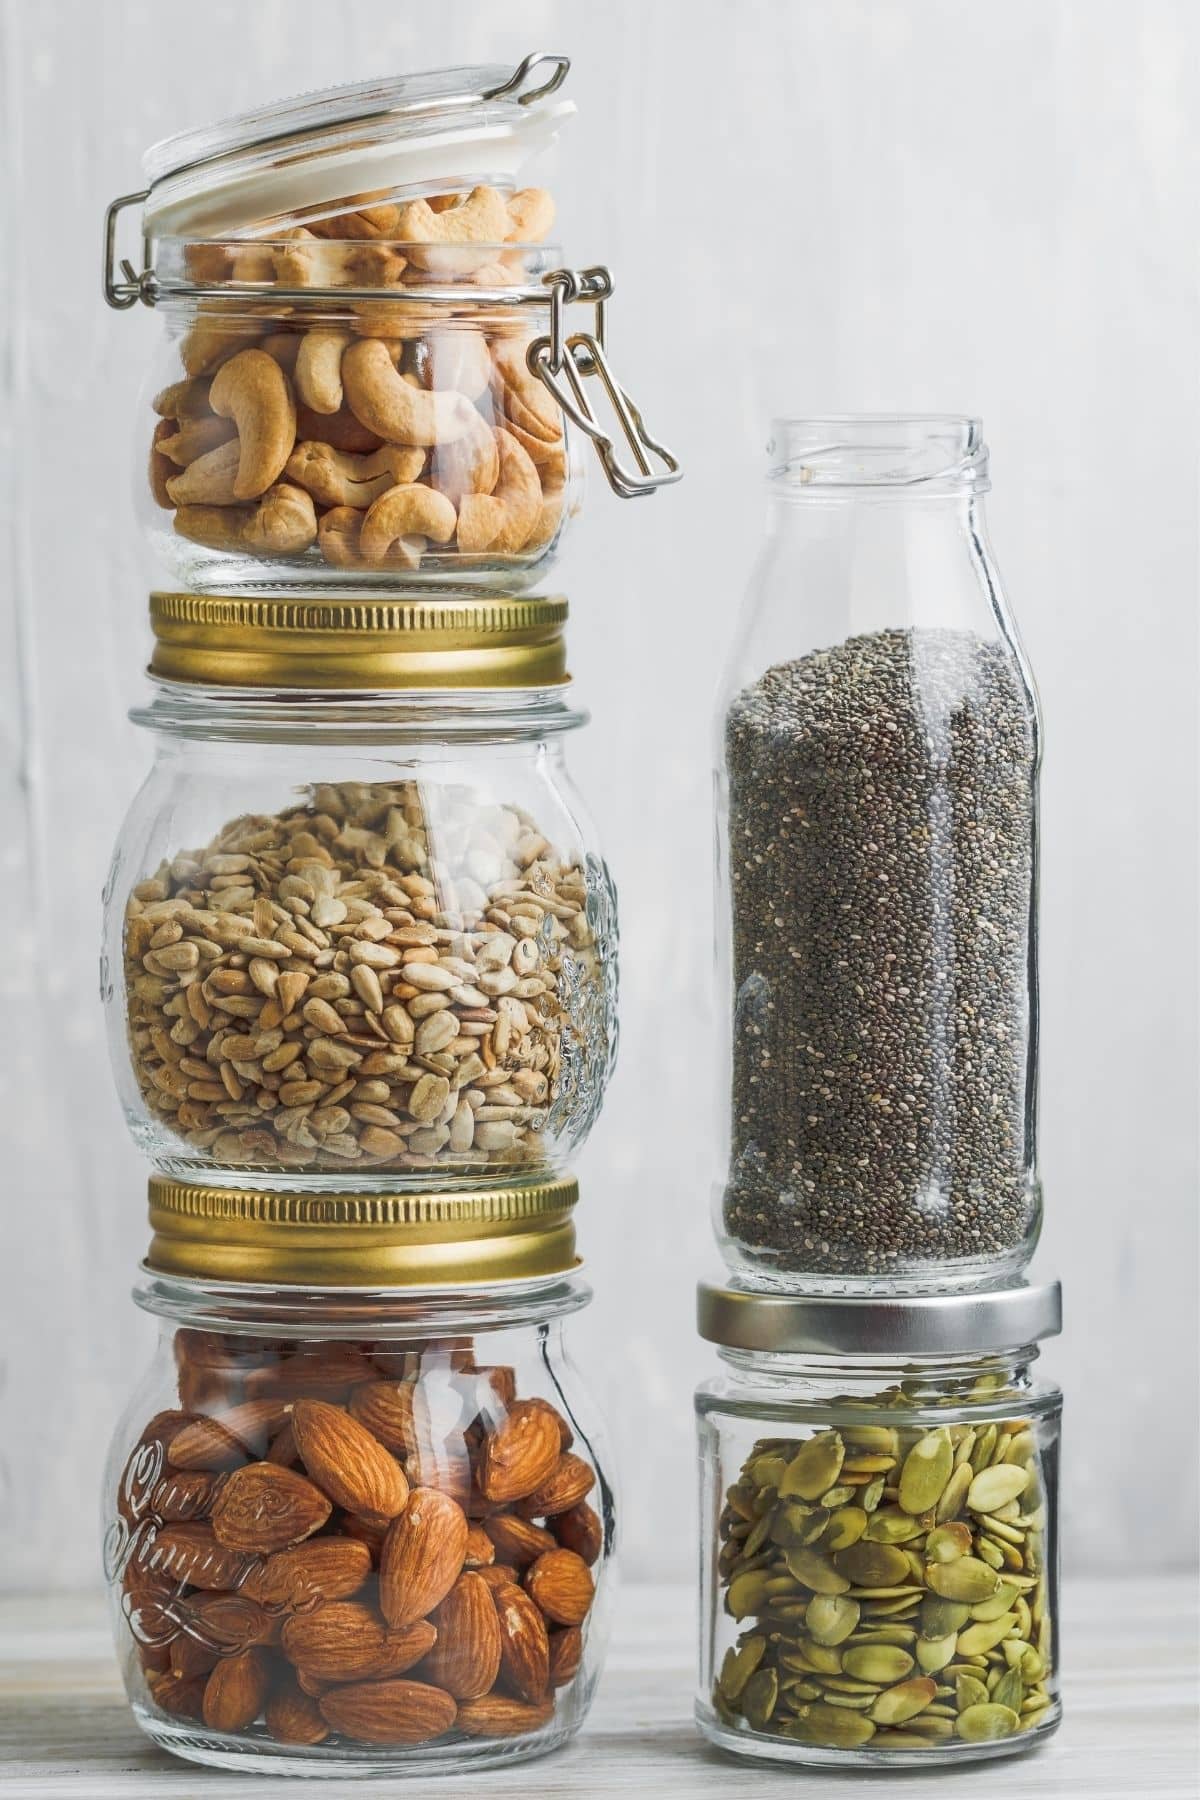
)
(1130, 1731)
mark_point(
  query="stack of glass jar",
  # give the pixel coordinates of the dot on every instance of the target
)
(878, 1470)
(360, 956)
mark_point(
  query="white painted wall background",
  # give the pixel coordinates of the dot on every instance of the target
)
(809, 206)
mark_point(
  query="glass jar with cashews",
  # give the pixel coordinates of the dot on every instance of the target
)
(372, 373)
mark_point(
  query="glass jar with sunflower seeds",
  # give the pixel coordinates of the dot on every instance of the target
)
(878, 1528)
(358, 930)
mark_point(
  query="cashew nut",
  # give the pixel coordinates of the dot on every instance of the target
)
(523, 395)
(530, 216)
(334, 478)
(482, 218)
(502, 521)
(338, 536)
(366, 222)
(211, 479)
(253, 391)
(341, 430)
(458, 358)
(284, 346)
(161, 468)
(206, 345)
(183, 400)
(538, 449)
(195, 437)
(402, 520)
(318, 372)
(284, 523)
(371, 265)
(387, 405)
(469, 466)
(302, 260)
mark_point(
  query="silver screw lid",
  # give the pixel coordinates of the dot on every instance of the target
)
(892, 1325)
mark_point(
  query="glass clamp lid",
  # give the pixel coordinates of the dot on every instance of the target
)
(824, 1325)
(258, 175)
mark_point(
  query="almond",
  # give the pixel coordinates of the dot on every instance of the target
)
(185, 1494)
(348, 1641)
(566, 1654)
(233, 1622)
(497, 1716)
(560, 1583)
(520, 1453)
(190, 1658)
(330, 1373)
(282, 1448)
(389, 1712)
(498, 1575)
(466, 1658)
(293, 1717)
(569, 1482)
(524, 1644)
(580, 1530)
(191, 1553)
(235, 1691)
(226, 1439)
(350, 1465)
(517, 1541)
(312, 1574)
(422, 1556)
(386, 1409)
(264, 1507)
(182, 1698)
(480, 1548)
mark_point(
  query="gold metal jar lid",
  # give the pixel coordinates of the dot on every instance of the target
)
(359, 641)
(361, 1240)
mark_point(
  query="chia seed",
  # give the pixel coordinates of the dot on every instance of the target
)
(881, 858)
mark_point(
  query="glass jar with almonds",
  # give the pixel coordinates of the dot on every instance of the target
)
(360, 940)
(371, 352)
(353, 1532)
(879, 1528)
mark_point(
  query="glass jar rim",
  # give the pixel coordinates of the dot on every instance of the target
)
(905, 453)
(204, 713)
(393, 1313)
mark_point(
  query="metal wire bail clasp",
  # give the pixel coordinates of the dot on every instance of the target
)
(564, 362)
(124, 294)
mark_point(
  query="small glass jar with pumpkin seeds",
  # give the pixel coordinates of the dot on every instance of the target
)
(878, 1527)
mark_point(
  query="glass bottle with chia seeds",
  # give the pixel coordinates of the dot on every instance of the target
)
(877, 850)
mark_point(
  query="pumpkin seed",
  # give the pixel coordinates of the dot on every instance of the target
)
(966, 1578)
(831, 1726)
(1009, 1690)
(882, 1440)
(890, 1525)
(979, 1724)
(739, 1666)
(816, 1571)
(831, 1618)
(927, 1468)
(877, 1662)
(861, 1703)
(815, 1467)
(946, 1542)
(985, 1443)
(845, 1527)
(821, 1659)
(938, 1616)
(990, 1553)
(904, 1701)
(759, 1698)
(950, 1504)
(934, 1653)
(996, 1486)
(747, 1593)
(872, 1494)
(793, 1524)
(970, 1691)
(978, 1639)
(872, 1565)
(1000, 1602)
